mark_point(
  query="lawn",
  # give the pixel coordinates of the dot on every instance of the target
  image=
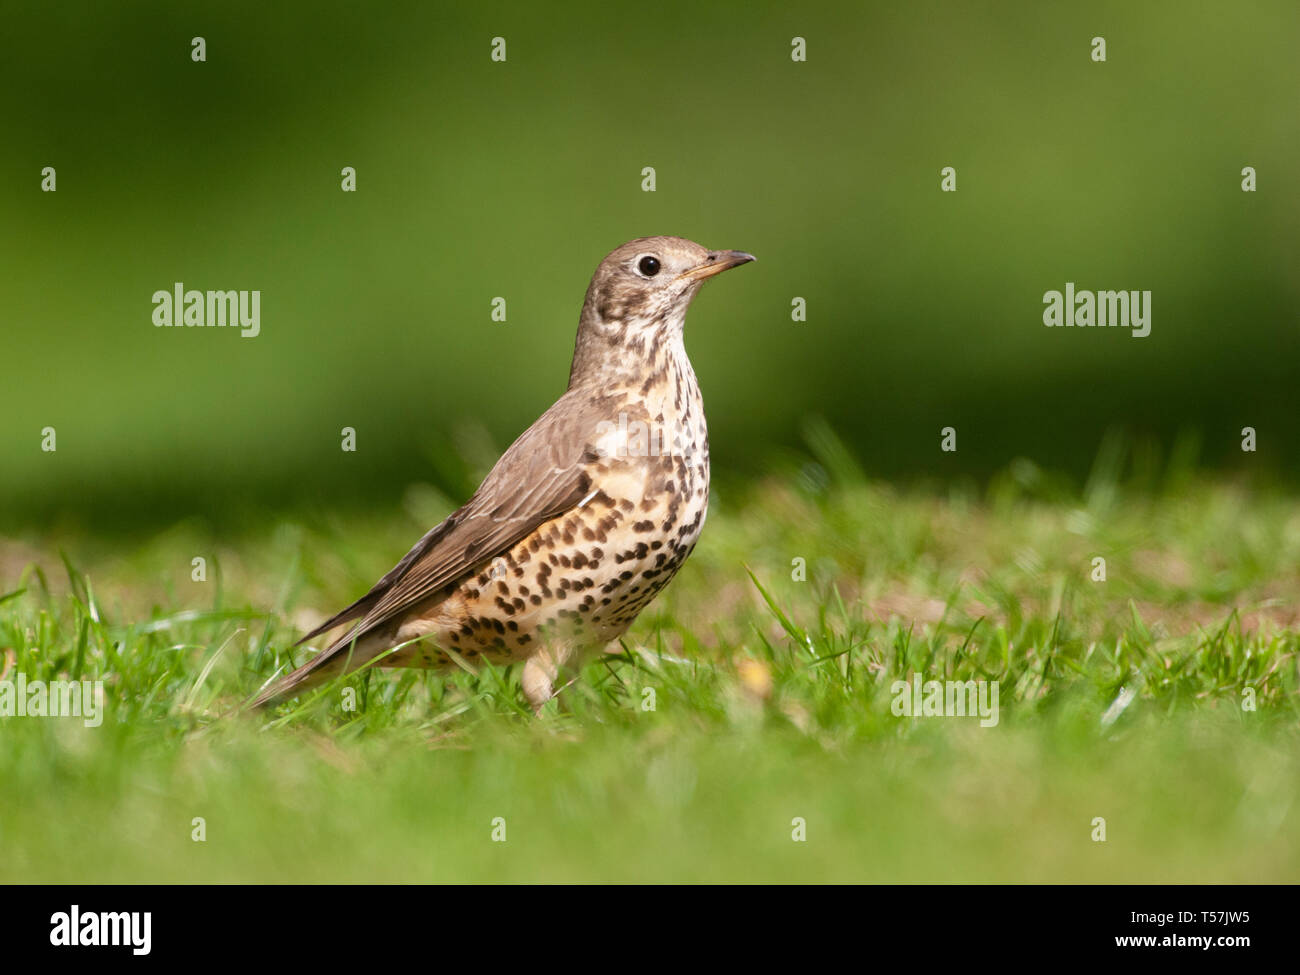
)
(745, 732)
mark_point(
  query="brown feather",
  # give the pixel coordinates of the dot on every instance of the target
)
(541, 476)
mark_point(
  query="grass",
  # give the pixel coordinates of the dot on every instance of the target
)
(1120, 700)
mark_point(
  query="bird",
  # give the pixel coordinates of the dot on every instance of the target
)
(583, 520)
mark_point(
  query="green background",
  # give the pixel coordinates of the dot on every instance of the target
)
(478, 179)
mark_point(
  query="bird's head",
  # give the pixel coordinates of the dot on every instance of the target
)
(637, 300)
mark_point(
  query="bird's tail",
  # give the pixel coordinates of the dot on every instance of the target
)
(342, 657)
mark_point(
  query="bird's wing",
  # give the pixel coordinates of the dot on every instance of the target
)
(543, 474)
(368, 601)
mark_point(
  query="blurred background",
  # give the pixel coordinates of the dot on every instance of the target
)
(478, 179)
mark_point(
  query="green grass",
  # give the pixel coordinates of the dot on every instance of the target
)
(1119, 699)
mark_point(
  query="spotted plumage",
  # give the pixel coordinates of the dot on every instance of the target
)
(583, 520)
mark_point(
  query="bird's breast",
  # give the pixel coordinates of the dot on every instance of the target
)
(586, 574)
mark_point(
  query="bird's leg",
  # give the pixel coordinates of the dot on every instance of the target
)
(541, 671)
(539, 681)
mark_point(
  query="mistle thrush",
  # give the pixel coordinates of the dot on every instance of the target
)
(583, 520)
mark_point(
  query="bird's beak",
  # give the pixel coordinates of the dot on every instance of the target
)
(717, 262)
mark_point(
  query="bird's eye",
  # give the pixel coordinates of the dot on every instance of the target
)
(649, 266)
